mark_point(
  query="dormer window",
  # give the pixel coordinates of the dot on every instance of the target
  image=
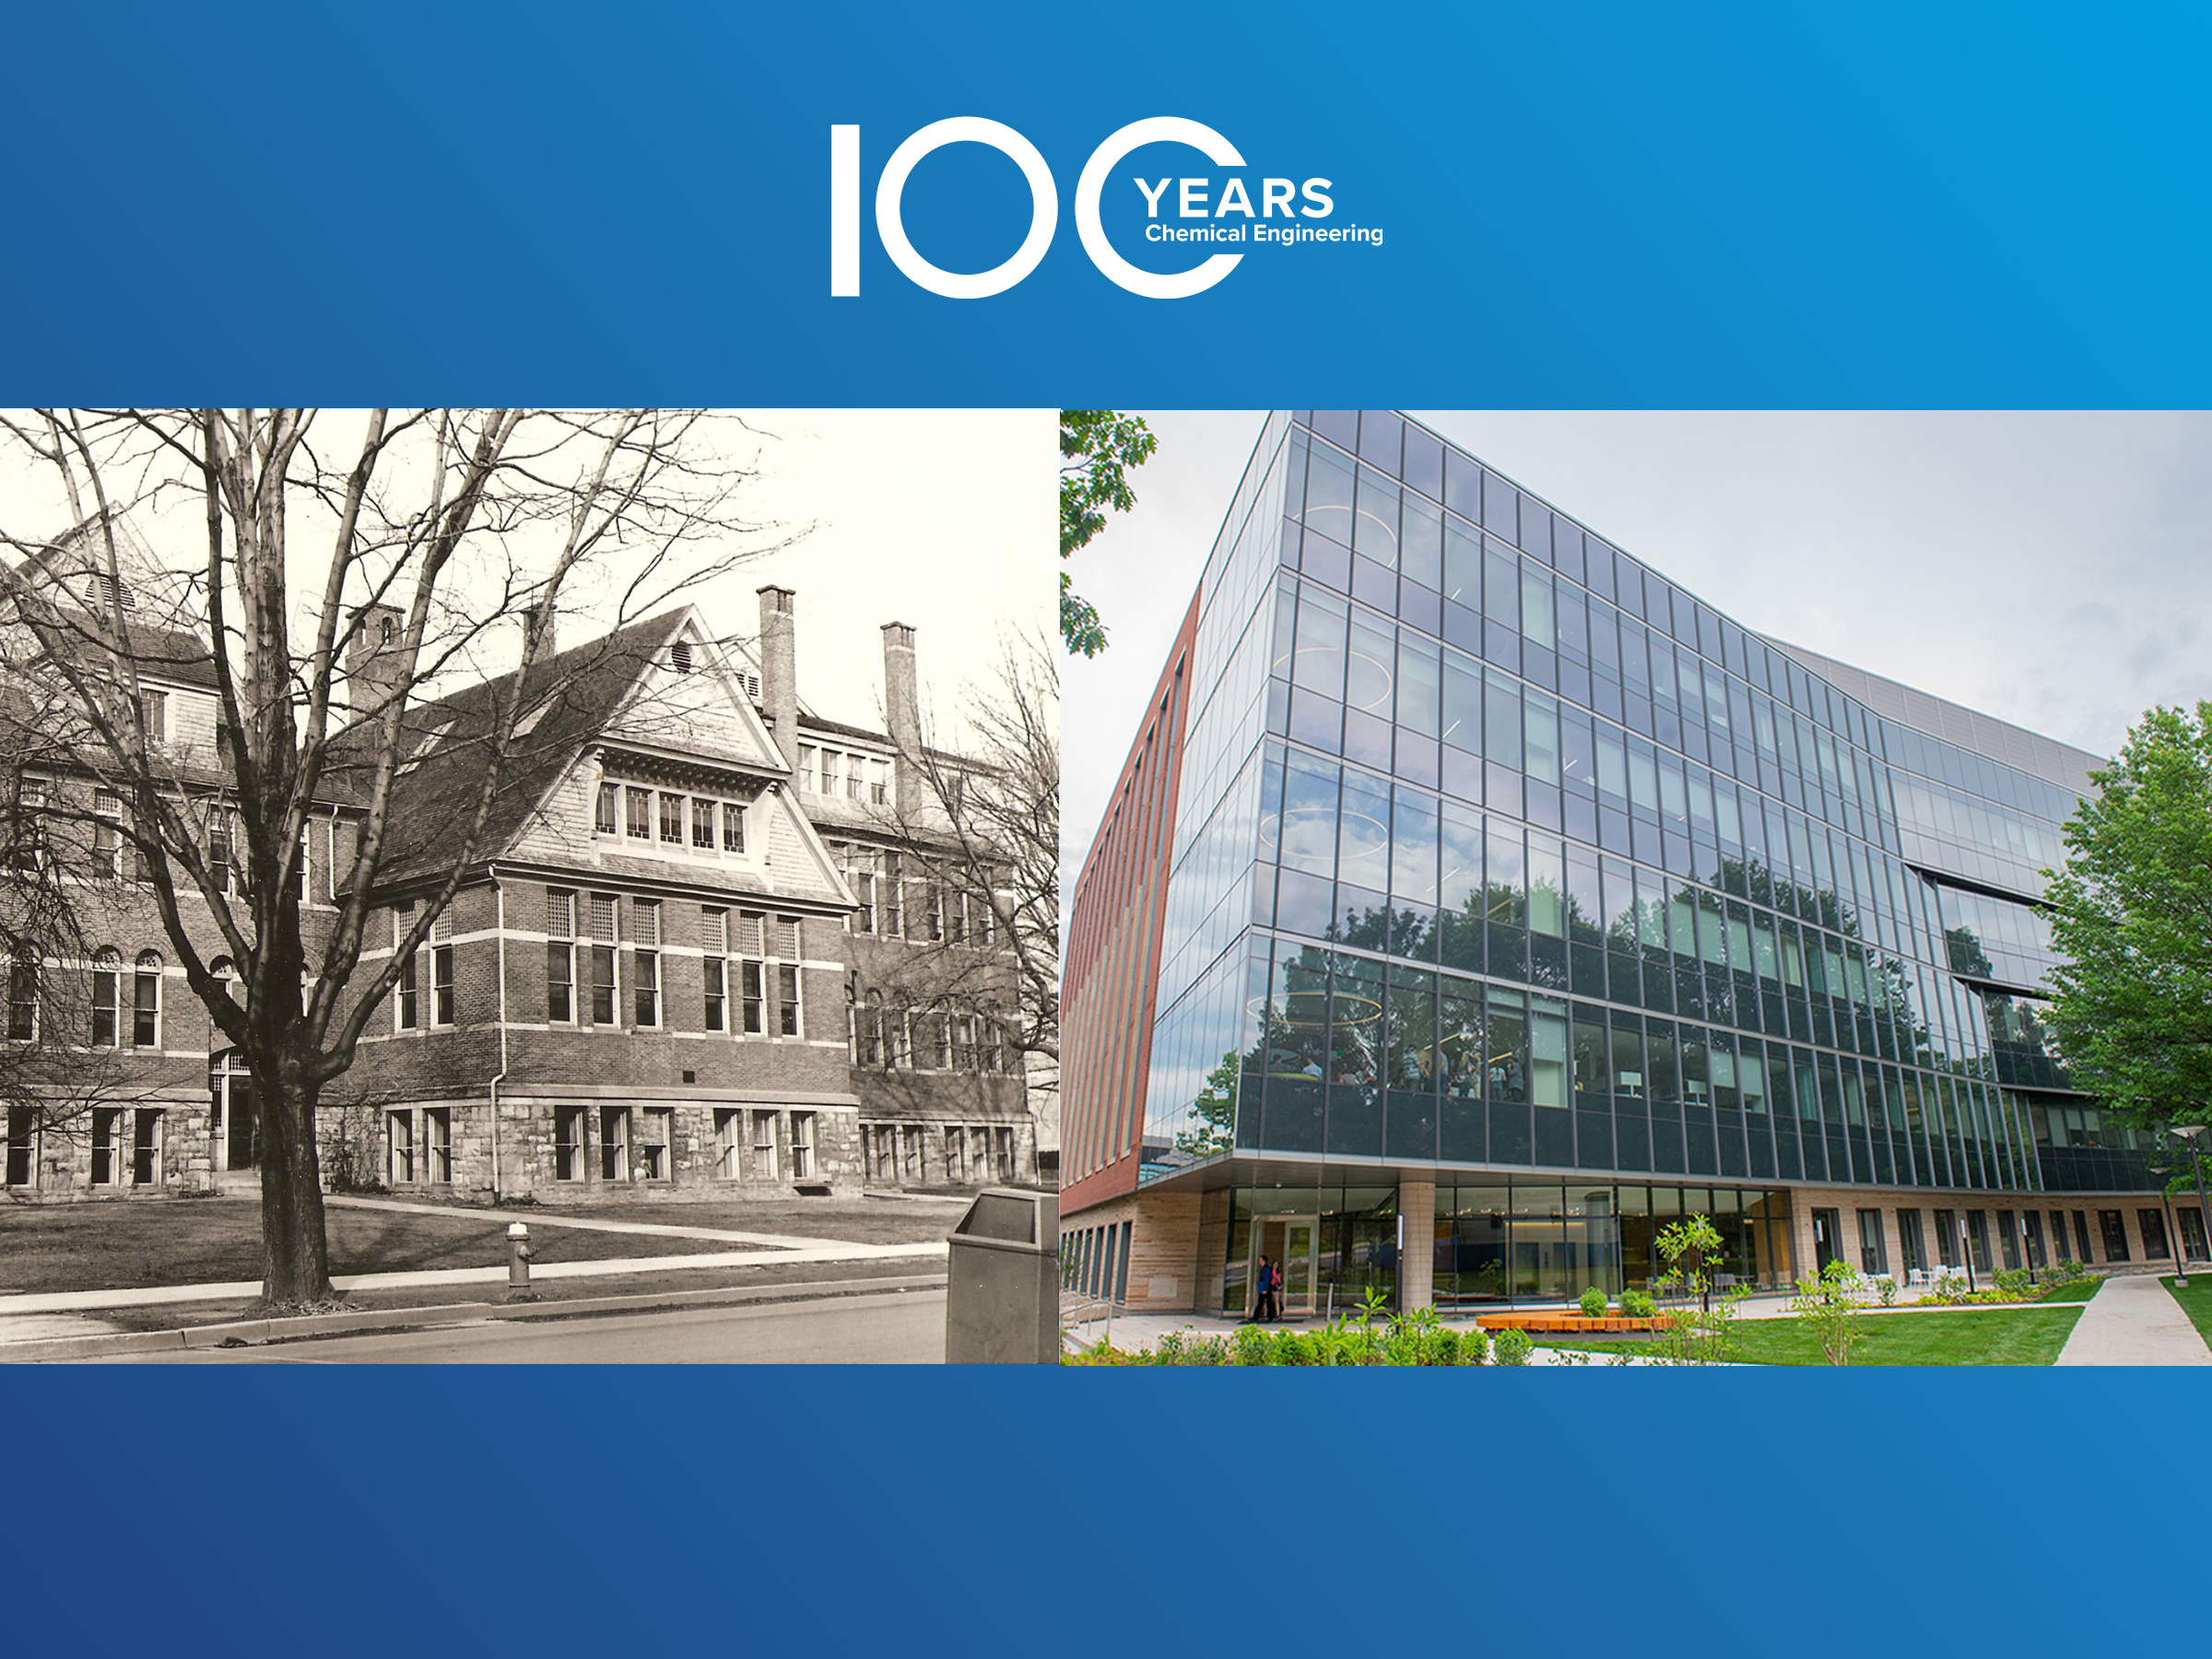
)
(679, 656)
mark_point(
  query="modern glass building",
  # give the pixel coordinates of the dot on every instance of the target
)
(1476, 900)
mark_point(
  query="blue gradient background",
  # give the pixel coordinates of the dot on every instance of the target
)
(1602, 205)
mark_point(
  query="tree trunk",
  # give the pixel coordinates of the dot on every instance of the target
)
(296, 1253)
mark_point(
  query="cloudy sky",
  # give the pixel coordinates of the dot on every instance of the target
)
(942, 519)
(2054, 570)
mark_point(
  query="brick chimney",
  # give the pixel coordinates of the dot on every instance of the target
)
(372, 659)
(780, 670)
(902, 709)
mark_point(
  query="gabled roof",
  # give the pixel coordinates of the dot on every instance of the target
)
(582, 688)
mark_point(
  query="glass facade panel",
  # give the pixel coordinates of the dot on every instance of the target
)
(1496, 852)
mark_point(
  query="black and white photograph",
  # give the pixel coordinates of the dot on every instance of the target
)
(521, 886)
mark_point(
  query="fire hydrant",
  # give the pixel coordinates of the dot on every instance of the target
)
(518, 1262)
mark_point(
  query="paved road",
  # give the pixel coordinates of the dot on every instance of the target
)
(889, 1329)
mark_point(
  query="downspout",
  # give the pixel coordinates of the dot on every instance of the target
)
(499, 900)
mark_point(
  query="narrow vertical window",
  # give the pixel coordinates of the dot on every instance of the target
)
(107, 978)
(733, 827)
(672, 818)
(715, 945)
(146, 1001)
(560, 957)
(606, 813)
(638, 817)
(645, 987)
(603, 958)
(749, 972)
(703, 825)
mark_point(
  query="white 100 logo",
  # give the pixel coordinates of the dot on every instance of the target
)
(1044, 211)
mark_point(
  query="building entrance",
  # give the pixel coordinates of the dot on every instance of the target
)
(235, 1135)
(1291, 1241)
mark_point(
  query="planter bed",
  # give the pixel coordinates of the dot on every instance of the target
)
(1563, 1322)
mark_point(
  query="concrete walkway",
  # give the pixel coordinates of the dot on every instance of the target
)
(534, 1220)
(2133, 1320)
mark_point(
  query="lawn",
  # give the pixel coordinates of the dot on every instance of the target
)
(851, 1220)
(2073, 1290)
(1971, 1338)
(118, 1245)
(2196, 1302)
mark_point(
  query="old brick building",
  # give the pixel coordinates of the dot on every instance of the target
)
(665, 973)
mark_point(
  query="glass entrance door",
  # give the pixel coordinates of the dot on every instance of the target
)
(1290, 1241)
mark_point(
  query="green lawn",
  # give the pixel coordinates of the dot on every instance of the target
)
(118, 1244)
(1972, 1337)
(851, 1220)
(2196, 1302)
(2073, 1290)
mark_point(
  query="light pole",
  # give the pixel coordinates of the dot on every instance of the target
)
(2189, 1133)
(2181, 1256)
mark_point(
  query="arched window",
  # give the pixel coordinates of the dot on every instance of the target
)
(107, 977)
(146, 1001)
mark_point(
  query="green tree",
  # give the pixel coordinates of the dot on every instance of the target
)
(1098, 449)
(2132, 913)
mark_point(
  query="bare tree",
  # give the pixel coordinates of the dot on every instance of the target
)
(979, 831)
(461, 532)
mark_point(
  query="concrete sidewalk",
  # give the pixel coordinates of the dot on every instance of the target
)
(814, 1250)
(2133, 1320)
(534, 1219)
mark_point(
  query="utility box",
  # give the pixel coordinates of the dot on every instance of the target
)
(1002, 1299)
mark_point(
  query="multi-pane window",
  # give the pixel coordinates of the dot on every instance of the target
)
(153, 715)
(145, 1148)
(638, 813)
(561, 955)
(783, 944)
(602, 924)
(146, 1001)
(107, 1168)
(107, 833)
(729, 1142)
(764, 1146)
(645, 978)
(656, 1149)
(807, 754)
(438, 1143)
(751, 973)
(408, 1004)
(802, 1145)
(223, 871)
(569, 1150)
(614, 1143)
(443, 996)
(399, 1147)
(107, 978)
(829, 771)
(715, 948)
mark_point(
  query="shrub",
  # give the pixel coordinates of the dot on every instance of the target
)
(1251, 1346)
(1475, 1346)
(2018, 1283)
(1889, 1293)
(1593, 1304)
(1514, 1346)
(1639, 1304)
